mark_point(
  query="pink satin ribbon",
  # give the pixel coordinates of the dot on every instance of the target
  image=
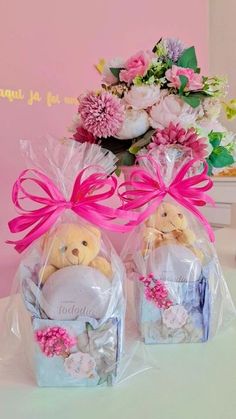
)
(146, 189)
(84, 201)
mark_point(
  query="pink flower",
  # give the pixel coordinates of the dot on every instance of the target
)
(83, 136)
(175, 134)
(194, 79)
(171, 108)
(142, 97)
(175, 316)
(156, 291)
(137, 65)
(107, 76)
(54, 341)
(101, 114)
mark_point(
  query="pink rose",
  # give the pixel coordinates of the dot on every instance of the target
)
(142, 97)
(137, 65)
(194, 79)
(175, 317)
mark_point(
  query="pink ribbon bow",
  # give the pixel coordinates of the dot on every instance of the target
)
(145, 188)
(83, 201)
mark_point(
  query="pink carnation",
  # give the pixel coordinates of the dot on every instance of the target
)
(137, 65)
(194, 79)
(83, 136)
(101, 114)
(54, 341)
(175, 134)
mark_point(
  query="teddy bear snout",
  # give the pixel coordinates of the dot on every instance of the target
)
(75, 252)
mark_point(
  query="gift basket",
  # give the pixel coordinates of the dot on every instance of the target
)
(180, 292)
(70, 277)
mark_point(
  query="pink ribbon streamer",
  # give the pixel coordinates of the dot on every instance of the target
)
(84, 201)
(148, 189)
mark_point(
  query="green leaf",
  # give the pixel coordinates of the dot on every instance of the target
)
(215, 138)
(188, 59)
(115, 71)
(127, 159)
(192, 100)
(134, 149)
(118, 172)
(210, 168)
(184, 82)
(221, 157)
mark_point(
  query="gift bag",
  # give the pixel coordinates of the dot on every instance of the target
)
(180, 292)
(70, 277)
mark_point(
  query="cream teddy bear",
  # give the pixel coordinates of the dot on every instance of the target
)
(73, 244)
(168, 225)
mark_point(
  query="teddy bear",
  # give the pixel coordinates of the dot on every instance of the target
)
(73, 244)
(168, 225)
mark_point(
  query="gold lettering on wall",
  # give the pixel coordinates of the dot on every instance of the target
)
(32, 97)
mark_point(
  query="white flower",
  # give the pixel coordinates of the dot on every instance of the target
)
(175, 316)
(80, 365)
(172, 108)
(208, 125)
(136, 123)
(142, 97)
(108, 77)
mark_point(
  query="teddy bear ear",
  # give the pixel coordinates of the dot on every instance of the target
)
(95, 231)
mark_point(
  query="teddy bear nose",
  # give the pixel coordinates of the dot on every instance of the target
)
(180, 216)
(75, 252)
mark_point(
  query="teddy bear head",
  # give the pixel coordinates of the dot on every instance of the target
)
(167, 218)
(71, 244)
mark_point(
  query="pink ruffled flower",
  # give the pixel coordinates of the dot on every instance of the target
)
(156, 291)
(142, 97)
(175, 316)
(195, 81)
(55, 341)
(101, 114)
(137, 65)
(171, 108)
(175, 134)
(83, 136)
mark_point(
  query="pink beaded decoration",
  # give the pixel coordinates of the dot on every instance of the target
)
(55, 341)
(156, 291)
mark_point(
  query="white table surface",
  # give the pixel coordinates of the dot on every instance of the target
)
(190, 381)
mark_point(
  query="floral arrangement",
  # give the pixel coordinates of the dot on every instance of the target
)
(154, 98)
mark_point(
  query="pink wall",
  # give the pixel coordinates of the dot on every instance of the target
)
(52, 46)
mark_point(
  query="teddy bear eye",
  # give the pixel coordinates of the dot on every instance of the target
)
(84, 243)
(64, 249)
(164, 214)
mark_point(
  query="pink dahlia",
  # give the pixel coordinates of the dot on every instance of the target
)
(101, 114)
(83, 136)
(55, 341)
(175, 134)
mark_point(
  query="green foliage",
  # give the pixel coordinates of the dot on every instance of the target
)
(221, 157)
(194, 99)
(184, 82)
(215, 138)
(115, 71)
(127, 159)
(188, 59)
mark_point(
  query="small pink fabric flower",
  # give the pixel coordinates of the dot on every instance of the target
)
(101, 114)
(156, 291)
(195, 81)
(175, 316)
(55, 341)
(175, 134)
(83, 136)
(137, 65)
